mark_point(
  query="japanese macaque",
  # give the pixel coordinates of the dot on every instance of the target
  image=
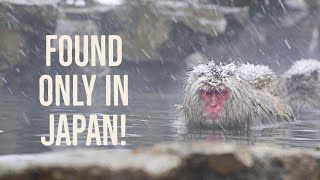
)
(302, 82)
(233, 95)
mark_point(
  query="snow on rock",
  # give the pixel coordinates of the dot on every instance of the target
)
(110, 2)
(32, 2)
(24, 26)
(80, 3)
(296, 4)
(167, 30)
(204, 17)
(167, 161)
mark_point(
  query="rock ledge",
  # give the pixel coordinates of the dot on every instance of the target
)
(167, 161)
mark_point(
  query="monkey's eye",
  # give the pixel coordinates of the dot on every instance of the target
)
(214, 92)
(201, 74)
(210, 92)
(224, 91)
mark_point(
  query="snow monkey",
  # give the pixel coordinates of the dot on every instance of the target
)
(233, 95)
(302, 81)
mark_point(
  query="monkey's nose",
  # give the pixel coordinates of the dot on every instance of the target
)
(213, 104)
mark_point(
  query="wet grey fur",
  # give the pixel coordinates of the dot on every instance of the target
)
(303, 85)
(255, 97)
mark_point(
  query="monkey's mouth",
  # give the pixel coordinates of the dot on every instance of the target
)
(214, 101)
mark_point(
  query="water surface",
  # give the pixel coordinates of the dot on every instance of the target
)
(150, 117)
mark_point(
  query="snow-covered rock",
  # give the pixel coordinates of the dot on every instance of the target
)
(167, 30)
(167, 161)
(24, 25)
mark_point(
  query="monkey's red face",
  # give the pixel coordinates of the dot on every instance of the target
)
(214, 102)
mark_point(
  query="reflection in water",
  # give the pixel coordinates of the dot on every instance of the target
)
(150, 119)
